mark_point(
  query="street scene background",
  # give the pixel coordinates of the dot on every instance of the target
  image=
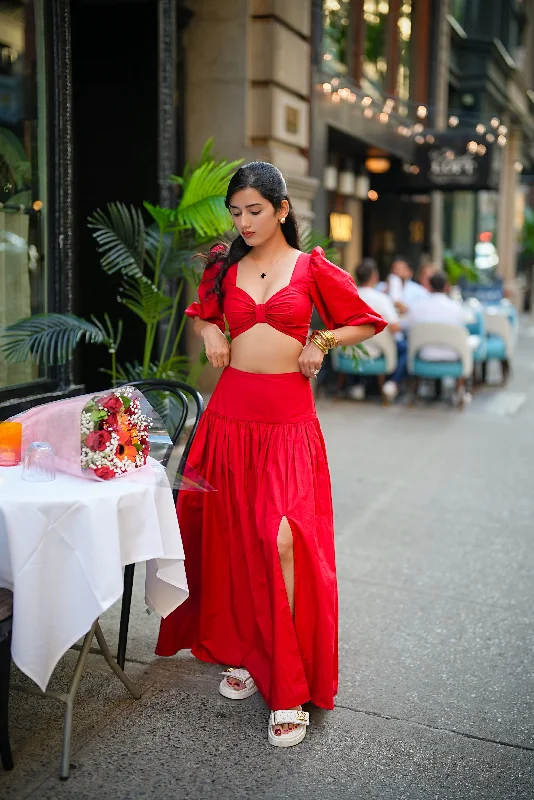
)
(405, 132)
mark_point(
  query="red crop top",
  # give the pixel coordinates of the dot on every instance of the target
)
(315, 282)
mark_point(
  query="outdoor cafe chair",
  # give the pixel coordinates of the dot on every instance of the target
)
(499, 339)
(432, 333)
(172, 393)
(6, 616)
(381, 366)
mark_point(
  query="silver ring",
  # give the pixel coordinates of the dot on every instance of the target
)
(315, 372)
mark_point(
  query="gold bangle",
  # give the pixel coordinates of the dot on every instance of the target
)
(325, 340)
(318, 343)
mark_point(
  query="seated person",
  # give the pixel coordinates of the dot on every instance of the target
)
(367, 280)
(437, 307)
(415, 291)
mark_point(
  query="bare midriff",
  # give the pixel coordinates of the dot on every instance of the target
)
(265, 350)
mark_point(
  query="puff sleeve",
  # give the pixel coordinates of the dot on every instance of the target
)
(336, 298)
(208, 308)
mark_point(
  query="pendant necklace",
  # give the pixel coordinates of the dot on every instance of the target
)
(264, 274)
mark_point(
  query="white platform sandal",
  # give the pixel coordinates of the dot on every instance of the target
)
(242, 675)
(288, 738)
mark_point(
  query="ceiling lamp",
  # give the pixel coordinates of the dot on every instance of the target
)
(377, 164)
(330, 178)
(347, 183)
(362, 187)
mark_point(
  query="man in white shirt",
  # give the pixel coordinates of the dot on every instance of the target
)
(439, 308)
(367, 279)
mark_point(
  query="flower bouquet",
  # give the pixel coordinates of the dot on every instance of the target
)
(114, 434)
(107, 436)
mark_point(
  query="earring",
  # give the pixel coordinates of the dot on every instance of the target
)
(283, 220)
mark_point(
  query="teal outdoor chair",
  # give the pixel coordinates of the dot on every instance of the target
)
(499, 340)
(453, 336)
(476, 326)
(381, 366)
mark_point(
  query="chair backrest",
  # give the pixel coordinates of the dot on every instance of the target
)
(384, 341)
(498, 324)
(157, 391)
(475, 317)
(437, 333)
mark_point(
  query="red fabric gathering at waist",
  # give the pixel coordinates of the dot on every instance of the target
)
(274, 398)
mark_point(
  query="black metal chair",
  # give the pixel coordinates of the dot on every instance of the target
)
(6, 616)
(178, 391)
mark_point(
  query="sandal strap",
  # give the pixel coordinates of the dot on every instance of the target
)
(239, 674)
(291, 716)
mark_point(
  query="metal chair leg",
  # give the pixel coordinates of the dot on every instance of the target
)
(5, 668)
(129, 571)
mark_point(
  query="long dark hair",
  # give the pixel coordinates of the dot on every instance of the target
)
(270, 183)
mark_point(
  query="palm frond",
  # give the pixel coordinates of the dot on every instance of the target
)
(162, 216)
(202, 203)
(120, 235)
(12, 152)
(144, 298)
(50, 338)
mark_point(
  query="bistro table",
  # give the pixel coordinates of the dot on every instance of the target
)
(63, 545)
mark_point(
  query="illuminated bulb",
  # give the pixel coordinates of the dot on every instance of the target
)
(495, 122)
(352, 97)
(490, 137)
(383, 7)
(327, 57)
(481, 128)
(37, 206)
(420, 139)
(418, 128)
(368, 113)
(472, 147)
(481, 149)
(453, 121)
(518, 166)
(501, 140)
(422, 112)
(372, 195)
(327, 89)
(383, 117)
(430, 139)
(503, 130)
(449, 154)
(335, 81)
(336, 98)
(414, 169)
(366, 101)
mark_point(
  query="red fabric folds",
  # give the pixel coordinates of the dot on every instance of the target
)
(259, 444)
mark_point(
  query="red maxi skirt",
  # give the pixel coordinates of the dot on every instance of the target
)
(260, 446)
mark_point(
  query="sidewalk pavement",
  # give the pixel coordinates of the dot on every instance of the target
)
(434, 511)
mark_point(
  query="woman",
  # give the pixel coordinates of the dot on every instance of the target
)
(260, 549)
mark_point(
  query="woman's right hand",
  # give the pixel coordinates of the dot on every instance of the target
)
(217, 346)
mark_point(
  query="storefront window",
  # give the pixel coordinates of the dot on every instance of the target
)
(405, 36)
(22, 148)
(375, 14)
(336, 35)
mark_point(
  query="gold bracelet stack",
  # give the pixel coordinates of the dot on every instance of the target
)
(325, 340)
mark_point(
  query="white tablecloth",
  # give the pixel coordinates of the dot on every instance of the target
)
(62, 548)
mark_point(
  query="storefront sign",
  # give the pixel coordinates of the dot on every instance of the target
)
(452, 162)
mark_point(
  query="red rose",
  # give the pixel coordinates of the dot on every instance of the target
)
(111, 403)
(106, 473)
(98, 440)
(112, 422)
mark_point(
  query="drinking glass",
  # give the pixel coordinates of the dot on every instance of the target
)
(39, 463)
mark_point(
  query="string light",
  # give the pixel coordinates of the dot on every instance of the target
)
(418, 128)
(490, 137)
(327, 88)
(518, 166)
(503, 130)
(495, 122)
(430, 139)
(420, 139)
(472, 147)
(368, 113)
(383, 117)
(422, 112)
(481, 149)
(335, 81)
(501, 140)
(336, 98)
(414, 169)
(453, 121)
(366, 101)
(481, 128)
(372, 195)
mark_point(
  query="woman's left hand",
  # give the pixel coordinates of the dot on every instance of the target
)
(311, 360)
